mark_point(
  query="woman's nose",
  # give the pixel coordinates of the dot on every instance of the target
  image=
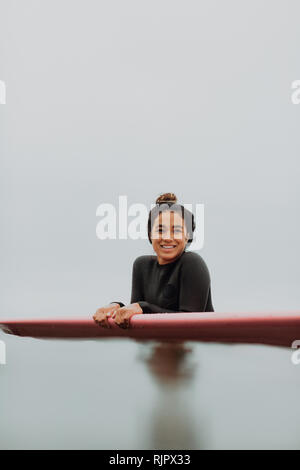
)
(167, 236)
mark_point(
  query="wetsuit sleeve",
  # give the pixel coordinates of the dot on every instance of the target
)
(117, 302)
(137, 291)
(195, 294)
(136, 284)
(152, 308)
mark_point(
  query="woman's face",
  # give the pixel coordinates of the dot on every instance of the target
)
(169, 236)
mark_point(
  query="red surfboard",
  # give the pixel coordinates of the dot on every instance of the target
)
(277, 328)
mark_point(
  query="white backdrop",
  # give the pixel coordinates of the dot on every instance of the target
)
(138, 98)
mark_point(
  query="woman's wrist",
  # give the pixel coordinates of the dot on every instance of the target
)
(138, 305)
(117, 304)
(143, 305)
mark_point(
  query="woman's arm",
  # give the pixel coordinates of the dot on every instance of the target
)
(136, 283)
(152, 308)
(137, 292)
(195, 290)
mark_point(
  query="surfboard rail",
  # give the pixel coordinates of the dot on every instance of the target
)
(275, 328)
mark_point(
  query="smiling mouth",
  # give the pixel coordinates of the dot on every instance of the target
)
(168, 247)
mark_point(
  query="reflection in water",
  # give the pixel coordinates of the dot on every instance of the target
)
(172, 416)
(168, 363)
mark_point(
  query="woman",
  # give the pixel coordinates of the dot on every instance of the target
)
(173, 281)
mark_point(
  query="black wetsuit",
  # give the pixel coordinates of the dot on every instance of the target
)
(180, 286)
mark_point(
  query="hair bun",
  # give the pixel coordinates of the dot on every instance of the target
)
(166, 197)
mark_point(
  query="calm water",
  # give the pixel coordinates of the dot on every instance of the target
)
(124, 394)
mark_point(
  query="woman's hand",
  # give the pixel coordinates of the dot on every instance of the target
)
(122, 315)
(103, 313)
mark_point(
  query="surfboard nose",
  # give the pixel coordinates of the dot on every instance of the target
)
(6, 329)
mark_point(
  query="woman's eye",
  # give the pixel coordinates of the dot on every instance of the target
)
(177, 230)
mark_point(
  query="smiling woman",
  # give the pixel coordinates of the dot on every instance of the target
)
(172, 281)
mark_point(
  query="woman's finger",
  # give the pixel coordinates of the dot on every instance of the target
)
(122, 320)
(125, 323)
(104, 324)
(96, 319)
(101, 319)
(113, 315)
(105, 320)
(119, 314)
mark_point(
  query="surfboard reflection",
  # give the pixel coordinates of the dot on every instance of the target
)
(172, 422)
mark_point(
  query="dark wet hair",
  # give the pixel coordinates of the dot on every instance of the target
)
(168, 202)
